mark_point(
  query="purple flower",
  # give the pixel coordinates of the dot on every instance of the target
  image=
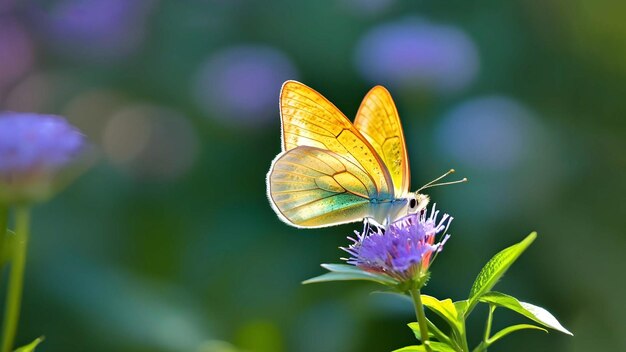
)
(100, 31)
(413, 53)
(404, 250)
(239, 85)
(33, 148)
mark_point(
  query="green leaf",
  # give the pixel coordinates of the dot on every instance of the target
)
(414, 348)
(31, 346)
(495, 268)
(502, 333)
(342, 268)
(351, 269)
(440, 347)
(433, 332)
(343, 272)
(418, 334)
(434, 346)
(345, 277)
(528, 310)
(461, 307)
(445, 309)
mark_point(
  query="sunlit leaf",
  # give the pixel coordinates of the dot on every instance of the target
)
(495, 268)
(31, 346)
(414, 348)
(418, 333)
(528, 310)
(433, 333)
(461, 307)
(445, 309)
(440, 347)
(434, 346)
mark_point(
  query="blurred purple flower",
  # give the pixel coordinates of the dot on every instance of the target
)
(97, 30)
(402, 251)
(16, 52)
(241, 85)
(417, 54)
(33, 148)
(490, 133)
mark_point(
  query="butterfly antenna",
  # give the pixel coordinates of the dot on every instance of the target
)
(433, 184)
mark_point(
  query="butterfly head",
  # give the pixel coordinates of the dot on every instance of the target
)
(417, 202)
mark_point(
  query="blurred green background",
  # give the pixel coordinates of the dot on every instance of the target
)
(169, 243)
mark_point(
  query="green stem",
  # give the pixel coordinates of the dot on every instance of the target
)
(482, 347)
(492, 308)
(16, 278)
(464, 338)
(421, 317)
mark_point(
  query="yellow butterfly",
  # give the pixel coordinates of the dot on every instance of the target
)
(331, 171)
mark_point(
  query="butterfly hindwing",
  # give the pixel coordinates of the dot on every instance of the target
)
(378, 121)
(314, 187)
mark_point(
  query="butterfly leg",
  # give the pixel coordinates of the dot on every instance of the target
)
(371, 222)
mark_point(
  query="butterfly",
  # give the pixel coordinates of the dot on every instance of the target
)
(332, 171)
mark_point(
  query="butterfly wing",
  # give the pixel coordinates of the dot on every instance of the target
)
(313, 187)
(309, 119)
(378, 121)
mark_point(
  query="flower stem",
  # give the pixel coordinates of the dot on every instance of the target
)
(421, 317)
(16, 278)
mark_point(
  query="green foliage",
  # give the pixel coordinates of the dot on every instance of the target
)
(434, 346)
(418, 334)
(494, 269)
(528, 310)
(31, 346)
(344, 272)
(455, 313)
(433, 332)
(446, 310)
(500, 334)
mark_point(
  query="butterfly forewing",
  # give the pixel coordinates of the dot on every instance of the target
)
(378, 121)
(309, 119)
(313, 187)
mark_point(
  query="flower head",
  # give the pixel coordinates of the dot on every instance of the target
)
(404, 250)
(33, 149)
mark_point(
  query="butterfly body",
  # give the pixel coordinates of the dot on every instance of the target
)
(333, 171)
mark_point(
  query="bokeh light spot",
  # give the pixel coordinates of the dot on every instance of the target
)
(151, 142)
(92, 30)
(487, 133)
(240, 85)
(414, 53)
